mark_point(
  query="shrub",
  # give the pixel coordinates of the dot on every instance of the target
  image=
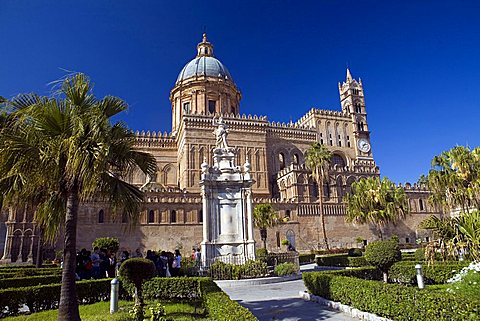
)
(438, 273)
(286, 269)
(253, 269)
(383, 254)
(393, 301)
(355, 252)
(225, 271)
(420, 254)
(285, 242)
(467, 281)
(109, 243)
(136, 271)
(261, 252)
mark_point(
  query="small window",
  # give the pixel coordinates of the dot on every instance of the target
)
(420, 203)
(206, 51)
(212, 106)
(407, 240)
(277, 236)
(101, 216)
(151, 216)
(427, 239)
(173, 216)
(321, 141)
(186, 108)
(200, 216)
(281, 160)
(287, 214)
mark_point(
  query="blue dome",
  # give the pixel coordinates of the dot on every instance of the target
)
(204, 66)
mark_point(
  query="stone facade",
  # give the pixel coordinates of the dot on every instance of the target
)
(172, 216)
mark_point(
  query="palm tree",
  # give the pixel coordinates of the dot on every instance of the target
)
(375, 201)
(454, 179)
(57, 152)
(264, 217)
(317, 159)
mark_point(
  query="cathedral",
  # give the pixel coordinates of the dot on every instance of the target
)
(172, 216)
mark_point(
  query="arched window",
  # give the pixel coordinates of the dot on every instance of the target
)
(338, 160)
(358, 108)
(287, 214)
(101, 216)
(200, 216)
(281, 160)
(173, 216)
(151, 216)
(420, 204)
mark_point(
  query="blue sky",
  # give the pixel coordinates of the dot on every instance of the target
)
(419, 61)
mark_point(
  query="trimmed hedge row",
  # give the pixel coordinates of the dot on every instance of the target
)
(394, 301)
(45, 297)
(16, 272)
(29, 281)
(341, 260)
(219, 305)
(438, 273)
(306, 258)
(225, 271)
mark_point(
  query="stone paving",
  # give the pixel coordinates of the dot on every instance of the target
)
(281, 301)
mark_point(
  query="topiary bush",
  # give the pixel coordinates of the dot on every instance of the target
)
(383, 254)
(286, 269)
(135, 271)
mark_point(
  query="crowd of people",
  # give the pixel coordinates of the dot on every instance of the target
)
(102, 263)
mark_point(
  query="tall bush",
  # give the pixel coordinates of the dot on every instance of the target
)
(383, 254)
(109, 243)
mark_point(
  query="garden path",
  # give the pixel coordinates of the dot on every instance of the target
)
(281, 301)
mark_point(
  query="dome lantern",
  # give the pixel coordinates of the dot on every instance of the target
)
(204, 48)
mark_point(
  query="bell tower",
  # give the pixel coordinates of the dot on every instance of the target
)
(352, 100)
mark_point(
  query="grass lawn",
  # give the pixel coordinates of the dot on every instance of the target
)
(101, 312)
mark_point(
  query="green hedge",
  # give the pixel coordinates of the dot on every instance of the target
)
(394, 301)
(306, 258)
(225, 271)
(341, 260)
(24, 272)
(44, 297)
(219, 305)
(29, 281)
(438, 273)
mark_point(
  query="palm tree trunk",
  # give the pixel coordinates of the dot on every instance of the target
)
(320, 201)
(68, 307)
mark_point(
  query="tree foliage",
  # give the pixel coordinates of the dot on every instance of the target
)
(264, 216)
(377, 202)
(109, 243)
(454, 180)
(61, 150)
(317, 159)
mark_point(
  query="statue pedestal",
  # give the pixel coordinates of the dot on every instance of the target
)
(227, 208)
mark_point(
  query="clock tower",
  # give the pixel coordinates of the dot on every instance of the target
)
(352, 100)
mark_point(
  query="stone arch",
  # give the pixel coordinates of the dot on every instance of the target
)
(169, 175)
(151, 216)
(350, 181)
(201, 155)
(281, 161)
(338, 136)
(290, 236)
(338, 160)
(101, 216)
(16, 245)
(301, 187)
(27, 244)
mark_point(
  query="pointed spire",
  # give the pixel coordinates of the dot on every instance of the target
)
(204, 48)
(349, 75)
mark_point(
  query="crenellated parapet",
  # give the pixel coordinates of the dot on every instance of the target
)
(154, 139)
(314, 113)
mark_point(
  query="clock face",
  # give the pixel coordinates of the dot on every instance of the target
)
(363, 145)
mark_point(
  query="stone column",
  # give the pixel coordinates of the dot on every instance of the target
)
(249, 214)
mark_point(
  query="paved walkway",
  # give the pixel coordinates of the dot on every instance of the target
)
(281, 301)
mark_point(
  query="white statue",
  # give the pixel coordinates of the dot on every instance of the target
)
(220, 133)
